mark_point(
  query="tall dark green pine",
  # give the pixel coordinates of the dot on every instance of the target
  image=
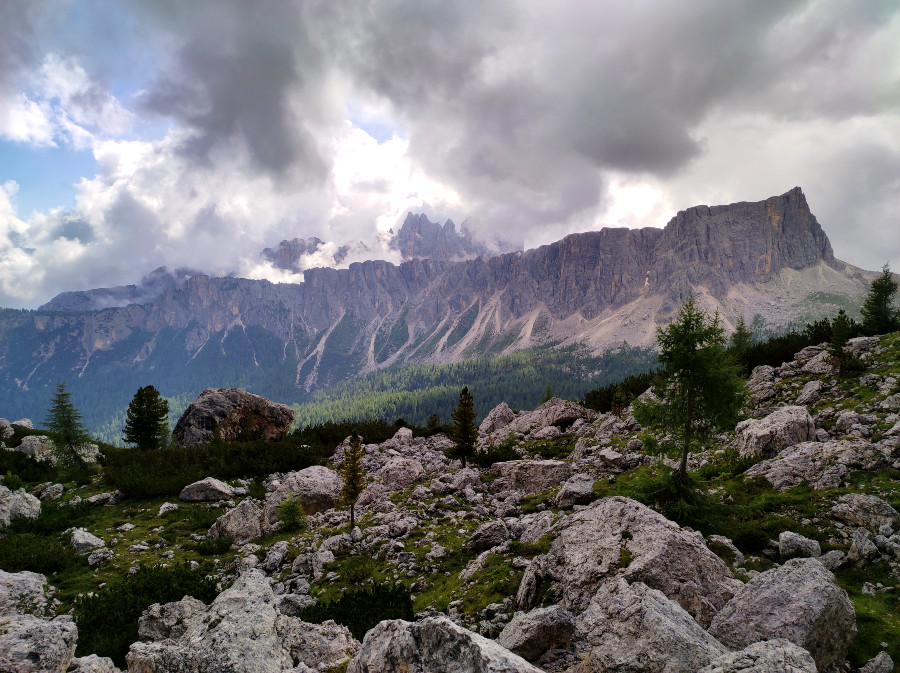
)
(879, 314)
(147, 419)
(464, 432)
(700, 390)
(840, 336)
(353, 475)
(64, 423)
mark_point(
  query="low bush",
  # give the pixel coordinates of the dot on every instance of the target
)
(214, 547)
(144, 474)
(54, 518)
(362, 608)
(107, 620)
(25, 467)
(37, 553)
(291, 516)
(497, 454)
(12, 481)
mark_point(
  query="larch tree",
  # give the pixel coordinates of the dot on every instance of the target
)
(879, 314)
(700, 391)
(353, 475)
(464, 433)
(147, 419)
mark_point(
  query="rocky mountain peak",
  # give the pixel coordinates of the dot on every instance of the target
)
(420, 238)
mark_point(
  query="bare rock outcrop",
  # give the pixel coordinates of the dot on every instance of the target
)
(531, 476)
(555, 412)
(782, 428)
(619, 537)
(497, 420)
(530, 634)
(632, 628)
(17, 504)
(767, 656)
(820, 464)
(799, 601)
(25, 593)
(233, 414)
(401, 473)
(92, 664)
(29, 644)
(241, 524)
(243, 632)
(433, 645)
(316, 488)
(868, 511)
(206, 490)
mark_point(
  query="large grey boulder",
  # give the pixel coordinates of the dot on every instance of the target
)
(207, 490)
(578, 490)
(6, 430)
(619, 537)
(799, 601)
(85, 542)
(29, 644)
(487, 536)
(793, 545)
(555, 412)
(25, 593)
(169, 620)
(811, 392)
(497, 419)
(433, 645)
(316, 488)
(820, 464)
(243, 632)
(782, 428)
(868, 511)
(24, 423)
(532, 476)
(882, 663)
(232, 414)
(241, 524)
(17, 505)
(767, 656)
(530, 634)
(632, 628)
(400, 473)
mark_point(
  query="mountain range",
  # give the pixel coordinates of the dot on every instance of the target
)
(601, 288)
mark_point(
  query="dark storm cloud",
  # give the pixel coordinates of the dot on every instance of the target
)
(18, 50)
(239, 73)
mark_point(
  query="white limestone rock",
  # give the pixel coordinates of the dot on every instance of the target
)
(784, 427)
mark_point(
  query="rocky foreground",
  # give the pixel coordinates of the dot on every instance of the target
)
(528, 565)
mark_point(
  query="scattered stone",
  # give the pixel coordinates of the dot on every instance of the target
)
(632, 628)
(793, 545)
(820, 364)
(767, 656)
(799, 601)
(99, 556)
(85, 542)
(92, 664)
(232, 414)
(166, 508)
(17, 505)
(170, 620)
(784, 427)
(434, 644)
(206, 490)
(862, 549)
(531, 634)
(832, 560)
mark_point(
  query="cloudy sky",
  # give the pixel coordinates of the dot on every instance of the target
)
(141, 133)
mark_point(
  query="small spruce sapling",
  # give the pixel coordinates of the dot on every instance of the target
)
(840, 336)
(353, 475)
(64, 423)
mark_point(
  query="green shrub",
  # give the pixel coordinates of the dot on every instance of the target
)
(291, 516)
(214, 547)
(362, 608)
(497, 454)
(12, 481)
(37, 553)
(26, 467)
(54, 518)
(107, 620)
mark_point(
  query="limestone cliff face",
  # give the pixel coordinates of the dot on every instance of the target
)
(598, 287)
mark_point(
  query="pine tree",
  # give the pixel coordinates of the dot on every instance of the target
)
(548, 394)
(464, 432)
(353, 474)
(879, 314)
(742, 338)
(840, 335)
(700, 391)
(64, 423)
(147, 419)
